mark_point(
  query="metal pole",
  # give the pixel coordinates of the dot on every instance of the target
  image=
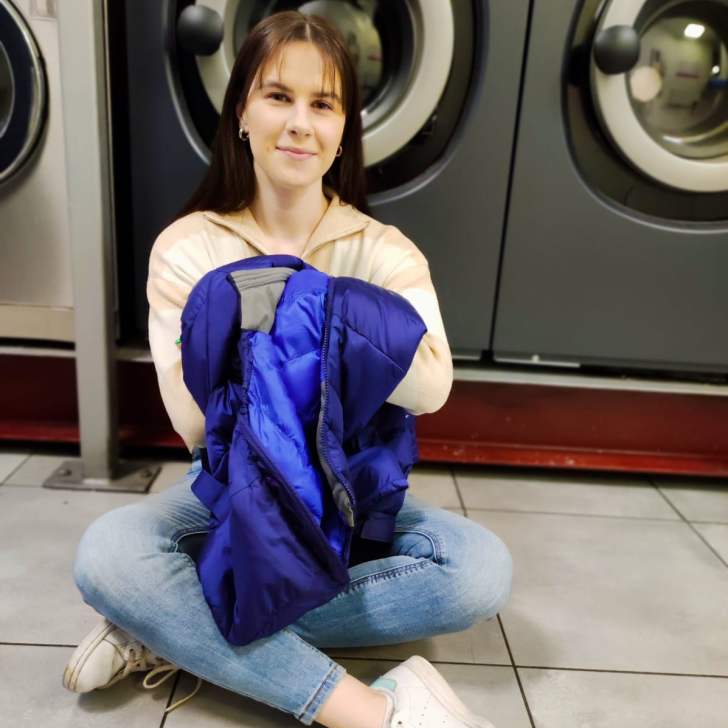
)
(84, 82)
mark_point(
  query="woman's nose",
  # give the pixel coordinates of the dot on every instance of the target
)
(299, 119)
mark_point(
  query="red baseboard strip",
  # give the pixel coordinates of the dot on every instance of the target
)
(438, 451)
(484, 423)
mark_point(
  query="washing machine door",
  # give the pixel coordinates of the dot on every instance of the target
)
(397, 101)
(22, 92)
(659, 80)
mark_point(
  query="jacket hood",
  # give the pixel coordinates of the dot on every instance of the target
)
(339, 220)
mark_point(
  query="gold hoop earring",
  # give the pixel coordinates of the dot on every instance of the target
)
(240, 134)
(339, 151)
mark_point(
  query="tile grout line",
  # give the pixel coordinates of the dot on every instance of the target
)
(334, 656)
(451, 469)
(29, 485)
(647, 482)
(35, 644)
(689, 524)
(612, 671)
(579, 515)
(170, 698)
(15, 470)
(515, 672)
(508, 474)
(709, 523)
(625, 672)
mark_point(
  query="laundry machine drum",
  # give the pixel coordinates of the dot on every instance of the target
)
(659, 79)
(413, 59)
(23, 94)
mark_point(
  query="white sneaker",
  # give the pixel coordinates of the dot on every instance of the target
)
(418, 696)
(108, 654)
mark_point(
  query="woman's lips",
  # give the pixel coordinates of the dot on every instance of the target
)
(296, 155)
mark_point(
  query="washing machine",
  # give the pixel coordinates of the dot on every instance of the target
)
(440, 83)
(616, 241)
(36, 295)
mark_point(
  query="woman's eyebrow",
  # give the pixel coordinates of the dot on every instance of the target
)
(283, 87)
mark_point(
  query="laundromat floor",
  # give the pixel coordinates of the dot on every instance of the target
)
(618, 615)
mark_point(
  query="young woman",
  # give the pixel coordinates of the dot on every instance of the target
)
(287, 176)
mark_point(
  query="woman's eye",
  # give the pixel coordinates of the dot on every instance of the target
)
(279, 96)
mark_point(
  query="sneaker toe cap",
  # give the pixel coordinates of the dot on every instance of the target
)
(93, 670)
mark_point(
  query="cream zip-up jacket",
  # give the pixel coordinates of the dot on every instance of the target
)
(346, 242)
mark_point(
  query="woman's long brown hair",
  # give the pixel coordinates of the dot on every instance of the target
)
(229, 184)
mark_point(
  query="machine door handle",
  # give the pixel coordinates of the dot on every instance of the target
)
(617, 49)
(199, 30)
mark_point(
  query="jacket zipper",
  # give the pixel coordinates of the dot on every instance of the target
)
(299, 507)
(321, 446)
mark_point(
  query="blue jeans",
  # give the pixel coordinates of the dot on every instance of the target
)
(135, 565)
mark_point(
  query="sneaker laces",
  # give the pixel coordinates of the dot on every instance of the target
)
(138, 657)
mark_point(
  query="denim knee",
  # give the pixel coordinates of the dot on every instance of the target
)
(485, 575)
(101, 550)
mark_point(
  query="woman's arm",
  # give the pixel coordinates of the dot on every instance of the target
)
(172, 275)
(404, 269)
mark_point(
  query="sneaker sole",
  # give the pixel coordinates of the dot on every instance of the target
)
(85, 648)
(444, 693)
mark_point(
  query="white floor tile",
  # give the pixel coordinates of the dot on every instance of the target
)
(562, 699)
(602, 591)
(698, 500)
(615, 594)
(716, 535)
(36, 469)
(601, 495)
(39, 533)
(32, 695)
(172, 472)
(10, 462)
(435, 485)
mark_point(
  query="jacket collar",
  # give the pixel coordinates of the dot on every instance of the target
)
(338, 221)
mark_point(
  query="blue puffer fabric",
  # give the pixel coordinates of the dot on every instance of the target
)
(292, 369)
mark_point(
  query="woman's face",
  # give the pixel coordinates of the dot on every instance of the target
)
(289, 111)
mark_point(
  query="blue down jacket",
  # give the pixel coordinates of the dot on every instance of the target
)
(291, 368)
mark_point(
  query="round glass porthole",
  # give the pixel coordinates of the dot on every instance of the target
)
(679, 87)
(22, 92)
(659, 81)
(7, 90)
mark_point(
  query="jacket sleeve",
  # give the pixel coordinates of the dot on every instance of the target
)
(172, 275)
(404, 269)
